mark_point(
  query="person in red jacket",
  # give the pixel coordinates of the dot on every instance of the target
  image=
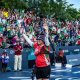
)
(18, 56)
(1, 40)
(78, 42)
(42, 48)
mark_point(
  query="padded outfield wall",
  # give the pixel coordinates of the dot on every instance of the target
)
(72, 53)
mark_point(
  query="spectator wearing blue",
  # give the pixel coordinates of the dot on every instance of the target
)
(4, 61)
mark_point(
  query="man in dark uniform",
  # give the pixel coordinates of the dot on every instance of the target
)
(61, 58)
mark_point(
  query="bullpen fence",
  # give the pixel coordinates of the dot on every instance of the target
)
(72, 53)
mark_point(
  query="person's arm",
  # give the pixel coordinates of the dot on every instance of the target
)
(15, 48)
(47, 43)
(28, 40)
(64, 59)
(20, 49)
(45, 49)
(26, 37)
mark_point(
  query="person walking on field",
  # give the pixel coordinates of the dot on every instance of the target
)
(18, 57)
(42, 48)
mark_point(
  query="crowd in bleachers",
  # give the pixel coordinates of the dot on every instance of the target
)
(62, 32)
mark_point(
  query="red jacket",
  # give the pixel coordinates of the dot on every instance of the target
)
(78, 42)
(1, 40)
(28, 21)
(18, 49)
(42, 59)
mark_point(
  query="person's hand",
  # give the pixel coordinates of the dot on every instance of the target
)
(22, 30)
(45, 26)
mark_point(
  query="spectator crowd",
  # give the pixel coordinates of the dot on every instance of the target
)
(14, 23)
(62, 33)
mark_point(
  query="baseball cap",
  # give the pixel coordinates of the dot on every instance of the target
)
(41, 37)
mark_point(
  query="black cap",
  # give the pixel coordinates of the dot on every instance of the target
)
(41, 37)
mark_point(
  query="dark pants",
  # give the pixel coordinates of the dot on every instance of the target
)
(4, 66)
(52, 58)
(43, 72)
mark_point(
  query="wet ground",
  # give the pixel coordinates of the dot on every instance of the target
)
(56, 74)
